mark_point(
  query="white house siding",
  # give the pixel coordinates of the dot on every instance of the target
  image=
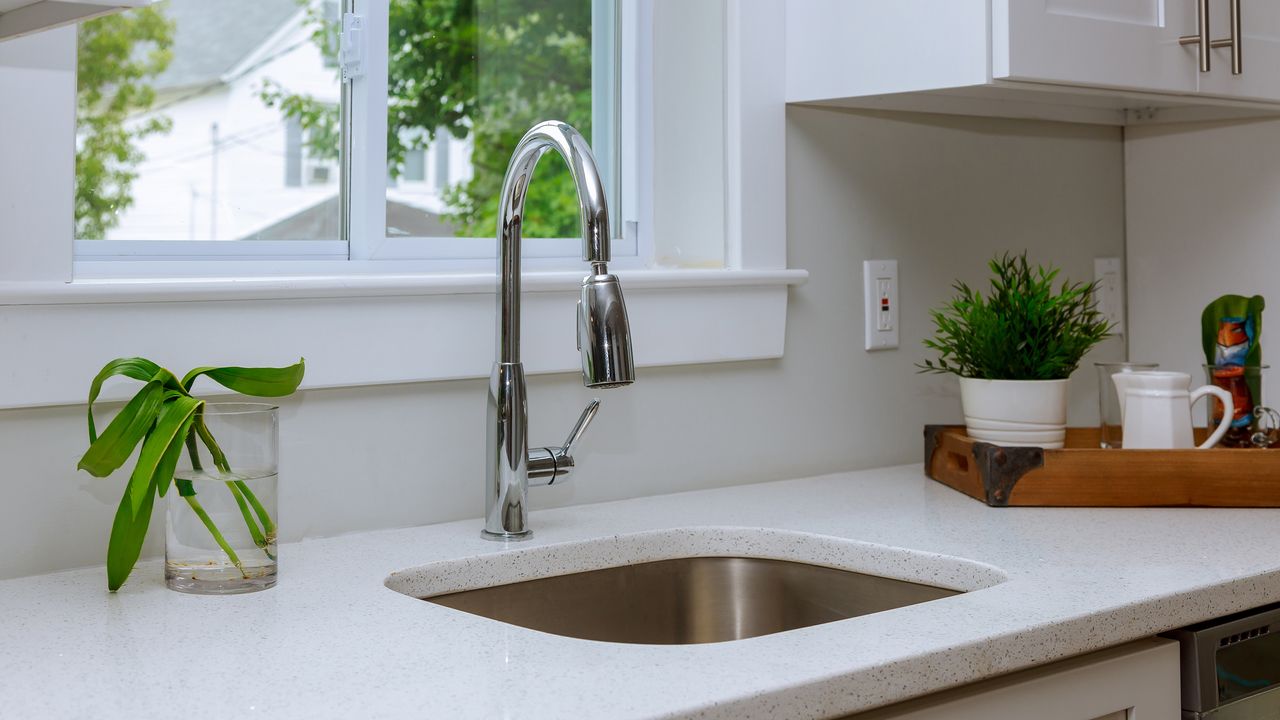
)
(427, 194)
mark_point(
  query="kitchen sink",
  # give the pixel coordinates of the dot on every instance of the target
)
(690, 585)
(690, 600)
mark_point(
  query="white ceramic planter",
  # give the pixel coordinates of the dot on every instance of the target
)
(1015, 412)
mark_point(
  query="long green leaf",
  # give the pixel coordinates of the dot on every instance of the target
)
(127, 534)
(175, 414)
(169, 462)
(258, 382)
(254, 531)
(135, 367)
(268, 525)
(199, 510)
(126, 430)
(215, 450)
(170, 381)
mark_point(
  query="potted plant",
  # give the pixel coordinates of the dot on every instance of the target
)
(1014, 350)
(166, 420)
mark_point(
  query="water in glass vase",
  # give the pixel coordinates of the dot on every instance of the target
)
(221, 532)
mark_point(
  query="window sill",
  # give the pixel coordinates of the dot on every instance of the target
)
(366, 330)
(318, 286)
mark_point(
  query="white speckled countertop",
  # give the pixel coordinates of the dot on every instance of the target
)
(332, 641)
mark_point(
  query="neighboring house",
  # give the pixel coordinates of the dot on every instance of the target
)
(232, 168)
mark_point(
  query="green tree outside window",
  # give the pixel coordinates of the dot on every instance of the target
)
(117, 55)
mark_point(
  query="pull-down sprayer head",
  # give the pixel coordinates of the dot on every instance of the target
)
(604, 335)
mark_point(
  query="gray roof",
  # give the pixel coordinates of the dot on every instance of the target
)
(213, 36)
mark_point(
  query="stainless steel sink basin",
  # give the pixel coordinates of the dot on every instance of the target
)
(689, 600)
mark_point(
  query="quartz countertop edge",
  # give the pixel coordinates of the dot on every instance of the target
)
(332, 640)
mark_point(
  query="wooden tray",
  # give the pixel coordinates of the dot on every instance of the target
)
(1084, 475)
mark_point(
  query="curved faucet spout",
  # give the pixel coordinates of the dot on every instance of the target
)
(604, 333)
(594, 212)
(576, 151)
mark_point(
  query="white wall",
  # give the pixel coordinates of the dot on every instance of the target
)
(37, 151)
(1203, 221)
(941, 194)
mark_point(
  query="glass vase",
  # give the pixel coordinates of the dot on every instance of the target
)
(1110, 413)
(220, 529)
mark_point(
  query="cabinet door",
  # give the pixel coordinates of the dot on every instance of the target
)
(1139, 680)
(1127, 44)
(1260, 48)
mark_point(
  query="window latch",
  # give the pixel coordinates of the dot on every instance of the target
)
(351, 51)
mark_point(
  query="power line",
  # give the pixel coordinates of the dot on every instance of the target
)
(256, 131)
(164, 163)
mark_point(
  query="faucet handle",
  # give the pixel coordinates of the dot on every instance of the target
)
(548, 464)
(588, 414)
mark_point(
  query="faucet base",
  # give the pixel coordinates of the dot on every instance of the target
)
(506, 537)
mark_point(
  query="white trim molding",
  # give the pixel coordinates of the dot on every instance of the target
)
(755, 133)
(37, 155)
(366, 330)
(308, 287)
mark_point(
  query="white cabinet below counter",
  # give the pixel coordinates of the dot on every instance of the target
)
(1137, 680)
(1110, 62)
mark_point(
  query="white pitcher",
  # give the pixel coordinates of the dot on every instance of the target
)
(1155, 409)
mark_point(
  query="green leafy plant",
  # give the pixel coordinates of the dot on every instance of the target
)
(1023, 329)
(164, 417)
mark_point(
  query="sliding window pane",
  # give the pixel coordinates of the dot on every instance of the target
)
(466, 79)
(204, 120)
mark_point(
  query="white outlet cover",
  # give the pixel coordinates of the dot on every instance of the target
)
(880, 303)
(1110, 295)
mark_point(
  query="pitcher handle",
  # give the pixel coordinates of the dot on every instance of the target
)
(1228, 412)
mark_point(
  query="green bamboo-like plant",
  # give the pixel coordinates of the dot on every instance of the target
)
(1023, 328)
(165, 417)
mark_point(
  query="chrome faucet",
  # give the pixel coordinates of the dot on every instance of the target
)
(604, 335)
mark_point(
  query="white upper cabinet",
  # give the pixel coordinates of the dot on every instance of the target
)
(1126, 44)
(1099, 61)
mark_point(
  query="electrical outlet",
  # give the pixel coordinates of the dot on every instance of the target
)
(880, 300)
(1109, 274)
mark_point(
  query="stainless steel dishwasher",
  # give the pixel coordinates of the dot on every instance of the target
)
(1231, 666)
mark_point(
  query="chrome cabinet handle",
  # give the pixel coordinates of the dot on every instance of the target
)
(1235, 41)
(548, 464)
(1201, 38)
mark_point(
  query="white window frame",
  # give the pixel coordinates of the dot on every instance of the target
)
(358, 327)
(368, 248)
(369, 240)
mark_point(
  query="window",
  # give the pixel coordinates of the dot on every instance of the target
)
(522, 61)
(182, 139)
(361, 321)
(415, 165)
(185, 144)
